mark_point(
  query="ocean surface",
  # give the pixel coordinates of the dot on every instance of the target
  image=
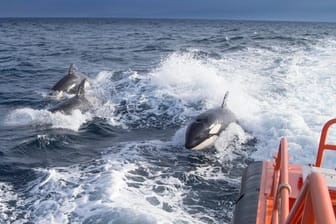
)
(124, 160)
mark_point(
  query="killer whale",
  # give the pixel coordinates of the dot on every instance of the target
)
(79, 102)
(70, 82)
(203, 131)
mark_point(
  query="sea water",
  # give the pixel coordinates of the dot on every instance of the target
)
(124, 160)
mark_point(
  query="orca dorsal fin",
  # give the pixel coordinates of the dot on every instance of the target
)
(72, 69)
(225, 99)
(81, 88)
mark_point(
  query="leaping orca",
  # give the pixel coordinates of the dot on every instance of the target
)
(78, 102)
(203, 131)
(70, 82)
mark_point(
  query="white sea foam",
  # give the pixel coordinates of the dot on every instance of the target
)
(230, 141)
(28, 116)
(273, 95)
(112, 189)
(9, 200)
(295, 100)
(190, 79)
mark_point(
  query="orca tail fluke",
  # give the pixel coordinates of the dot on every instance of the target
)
(225, 99)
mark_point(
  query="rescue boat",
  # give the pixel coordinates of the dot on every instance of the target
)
(279, 192)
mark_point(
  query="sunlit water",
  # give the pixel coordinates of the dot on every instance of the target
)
(124, 160)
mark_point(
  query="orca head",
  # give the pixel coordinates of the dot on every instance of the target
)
(205, 129)
(202, 133)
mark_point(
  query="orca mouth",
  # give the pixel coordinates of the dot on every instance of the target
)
(193, 142)
(189, 145)
(199, 144)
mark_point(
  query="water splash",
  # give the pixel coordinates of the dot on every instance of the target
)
(28, 116)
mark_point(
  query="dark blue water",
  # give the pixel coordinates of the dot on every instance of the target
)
(124, 161)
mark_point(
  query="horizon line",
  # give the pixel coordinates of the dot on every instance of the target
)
(169, 18)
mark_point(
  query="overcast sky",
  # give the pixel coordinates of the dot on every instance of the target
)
(293, 10)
